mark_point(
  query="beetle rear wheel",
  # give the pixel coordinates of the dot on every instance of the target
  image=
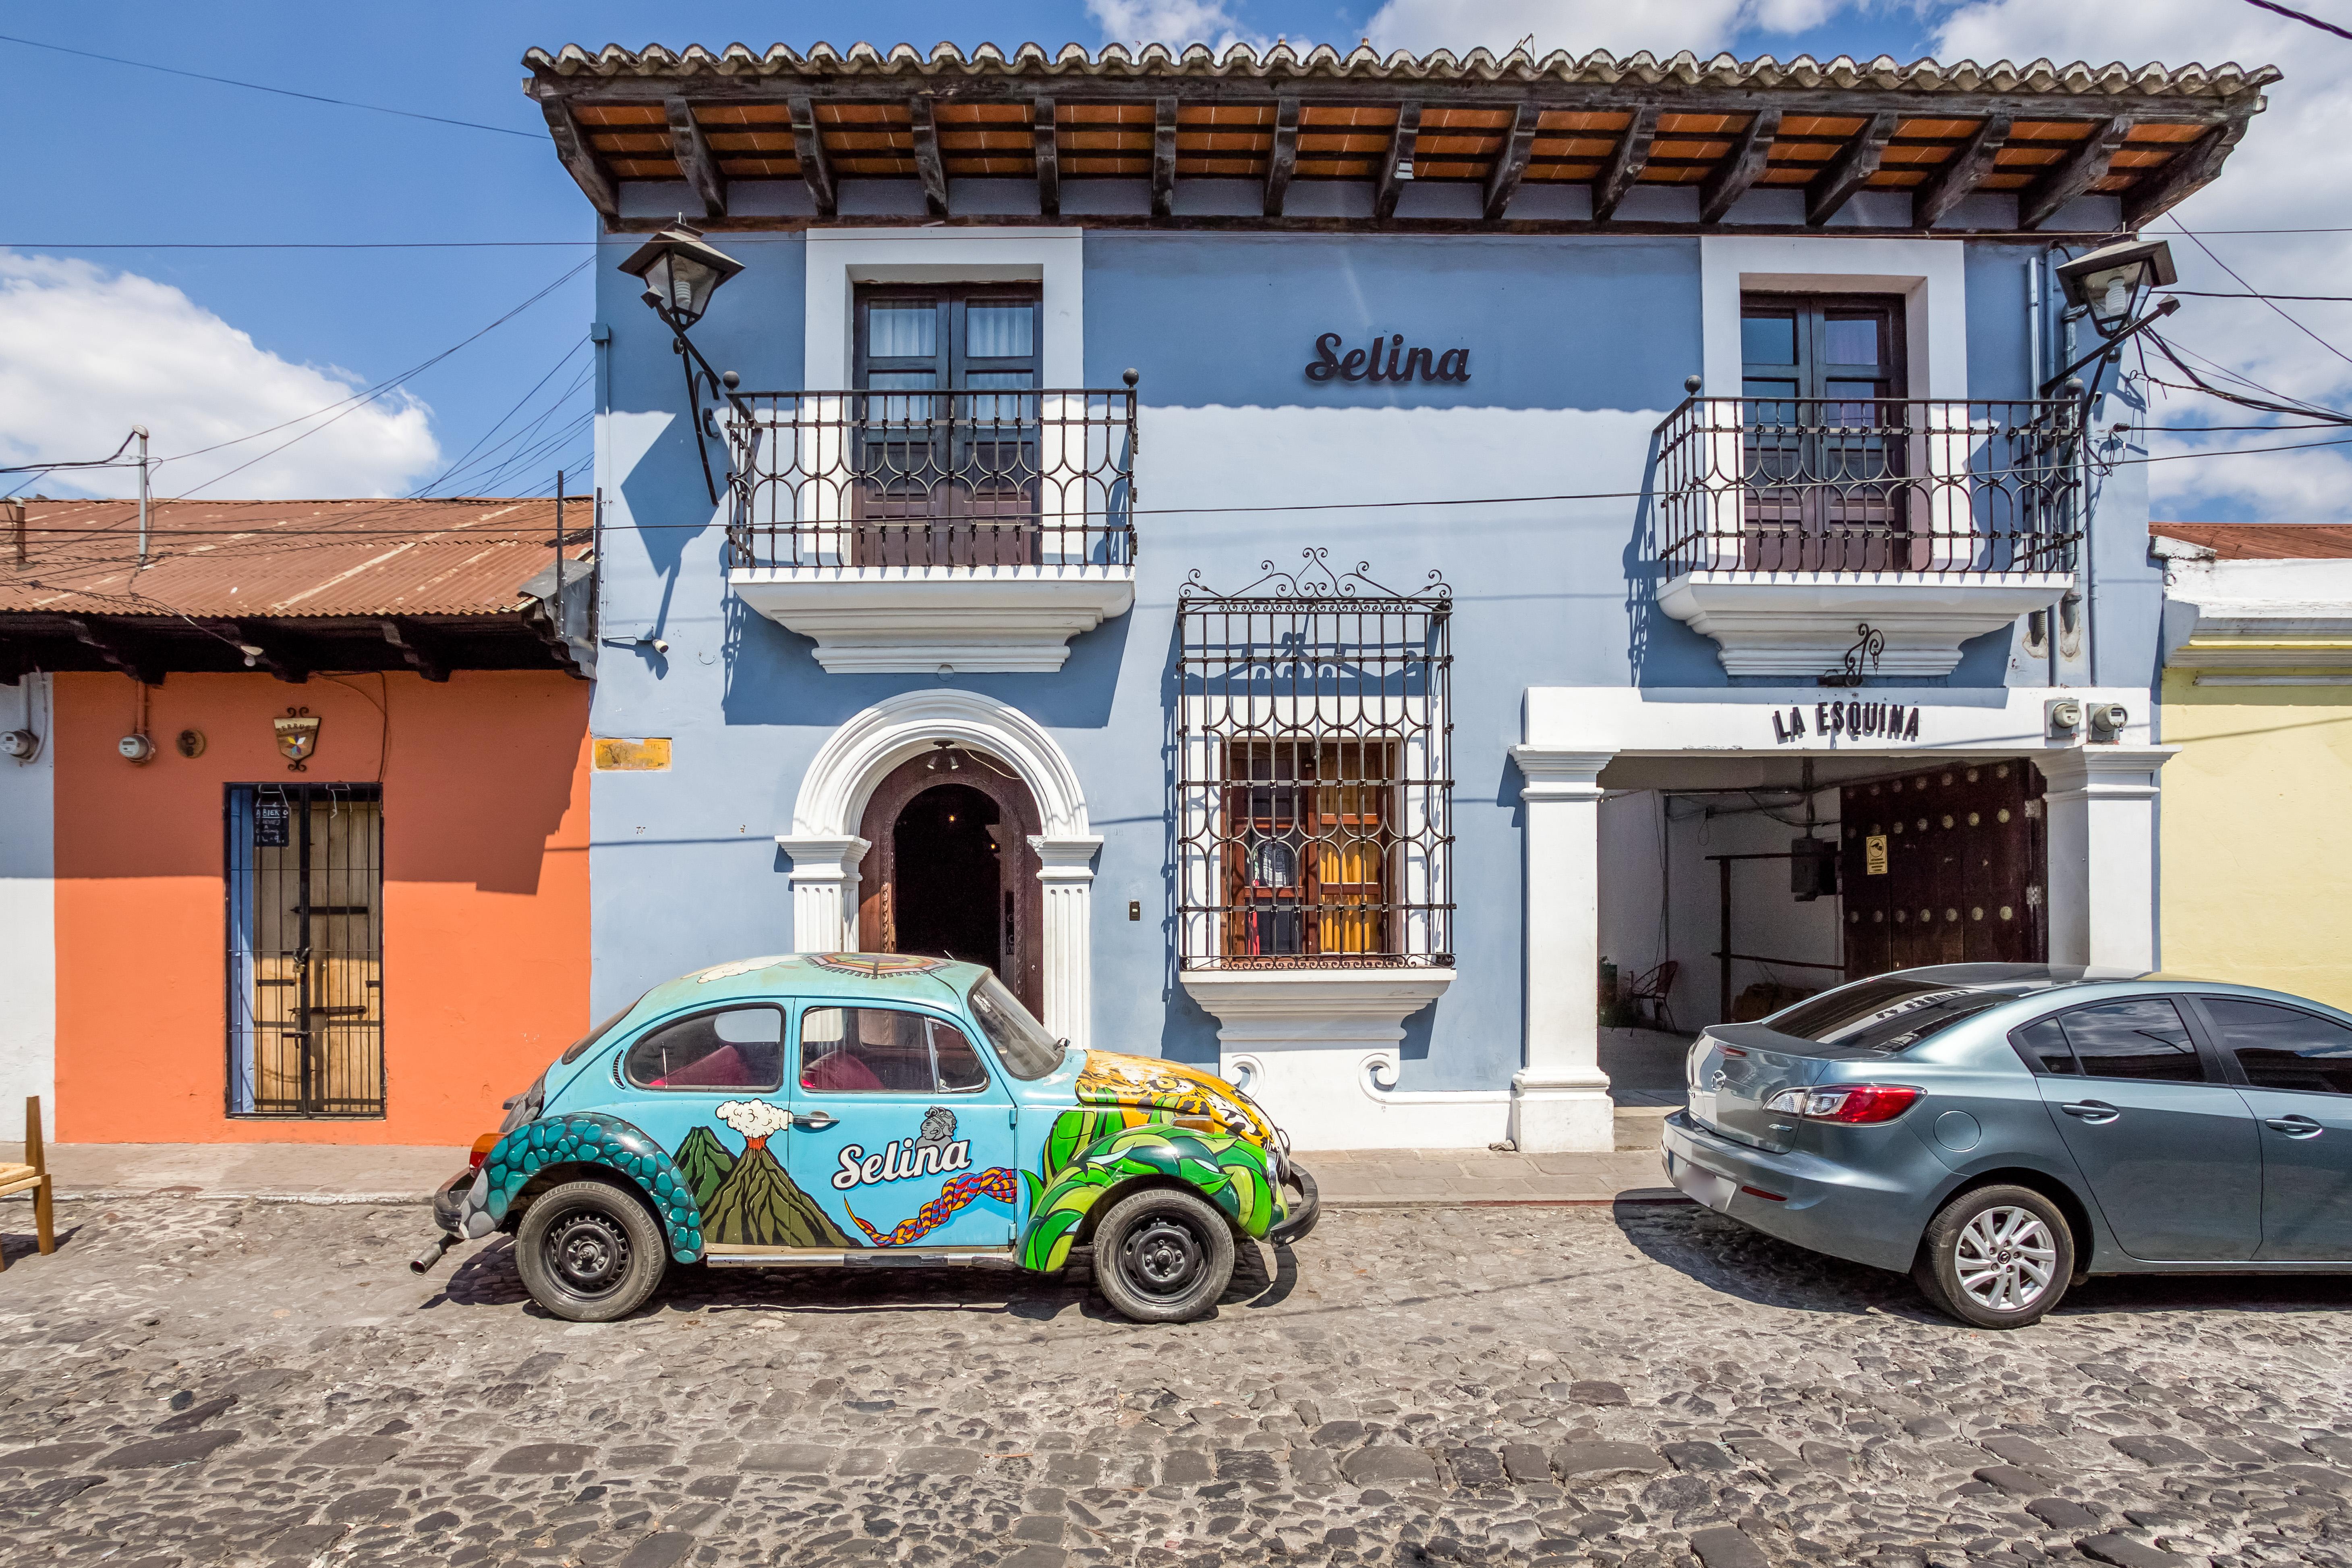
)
(1163, 1256)
(589, 1252)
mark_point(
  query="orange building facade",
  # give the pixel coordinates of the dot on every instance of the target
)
(484, 917)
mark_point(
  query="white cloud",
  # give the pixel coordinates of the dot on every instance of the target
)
(1174, 23)
(86, 354)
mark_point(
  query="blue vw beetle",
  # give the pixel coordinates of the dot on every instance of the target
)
(859, 1110)
(2003, 1131)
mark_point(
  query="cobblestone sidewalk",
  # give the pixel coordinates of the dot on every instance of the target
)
(195, 1381)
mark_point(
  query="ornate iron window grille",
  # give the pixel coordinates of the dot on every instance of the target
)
(960, 479)
(1313, 782)
(1910, 485)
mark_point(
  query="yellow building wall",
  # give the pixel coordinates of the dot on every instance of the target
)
(2257, 836)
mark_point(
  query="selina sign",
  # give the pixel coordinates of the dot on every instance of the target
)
(1387, 360)
(1857, 721)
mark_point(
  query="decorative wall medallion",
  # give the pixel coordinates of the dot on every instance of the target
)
(191, 742)
(297, 738)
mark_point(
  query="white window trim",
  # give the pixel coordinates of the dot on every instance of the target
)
(840, 259)
(1930, 274)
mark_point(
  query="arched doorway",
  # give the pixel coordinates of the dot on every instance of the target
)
(952, 871)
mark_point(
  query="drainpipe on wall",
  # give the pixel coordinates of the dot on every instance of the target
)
(600, 335)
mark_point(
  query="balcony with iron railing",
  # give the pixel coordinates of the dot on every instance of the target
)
(1786, 526)
(922, 530)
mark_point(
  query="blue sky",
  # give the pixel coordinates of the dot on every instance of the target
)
(112, 156)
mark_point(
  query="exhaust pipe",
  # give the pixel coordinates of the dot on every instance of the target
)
(424, 1261)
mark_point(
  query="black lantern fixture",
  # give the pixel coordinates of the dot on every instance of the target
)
(2109, 284)
(680, 273)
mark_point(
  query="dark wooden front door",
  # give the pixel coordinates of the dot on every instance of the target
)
(950, 872)
(1824, 375)
(1945, 865)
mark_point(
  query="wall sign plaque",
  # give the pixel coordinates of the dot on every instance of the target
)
(1387, 358)
(1854, 720)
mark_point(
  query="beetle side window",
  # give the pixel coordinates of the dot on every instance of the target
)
(881, 1050)
(2284, 1048)
(733, 1049)
(2142, 1037)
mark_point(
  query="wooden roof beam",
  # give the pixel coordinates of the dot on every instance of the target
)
(1625, 165)
(2073, 174)
(1402, 142)
(418, 648)
(1511, 163)
(1045, 137)
(2191, 171)
(1961, 172)
(1730, 180)
(1163, 157)
(579, 159)
(131, 652)
(816, 165)
(1283, 162)
(273, 654)
(1850, 169)
(927, 167)
(692, 149)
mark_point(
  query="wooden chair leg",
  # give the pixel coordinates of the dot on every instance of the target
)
(45, 1225)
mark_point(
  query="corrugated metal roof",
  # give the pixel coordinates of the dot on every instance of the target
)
(284, 558)
(2263, 540)
(1242, 62)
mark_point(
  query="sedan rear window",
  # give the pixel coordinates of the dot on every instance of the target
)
(1889, 1015)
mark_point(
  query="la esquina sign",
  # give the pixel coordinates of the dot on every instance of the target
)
(1387, 360)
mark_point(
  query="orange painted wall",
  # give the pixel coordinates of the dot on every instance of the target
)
(485, 895)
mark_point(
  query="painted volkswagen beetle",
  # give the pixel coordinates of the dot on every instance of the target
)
(861, 1109)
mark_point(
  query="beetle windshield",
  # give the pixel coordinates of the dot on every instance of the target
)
(1022, 1043)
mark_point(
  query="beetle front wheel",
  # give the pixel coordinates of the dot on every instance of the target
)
(1163, 1256)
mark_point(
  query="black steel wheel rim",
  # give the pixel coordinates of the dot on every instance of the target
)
(1164, 1256)
(588, 1250)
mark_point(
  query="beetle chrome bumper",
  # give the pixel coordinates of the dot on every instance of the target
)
(1301, 1215)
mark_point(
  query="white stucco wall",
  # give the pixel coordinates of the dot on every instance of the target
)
(29, 968)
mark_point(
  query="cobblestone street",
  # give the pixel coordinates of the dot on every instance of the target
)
(200, 1382)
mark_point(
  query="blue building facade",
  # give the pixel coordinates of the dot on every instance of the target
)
(1330, 726)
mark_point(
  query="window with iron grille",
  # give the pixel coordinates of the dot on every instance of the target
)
(305, 868)
(1312, 784)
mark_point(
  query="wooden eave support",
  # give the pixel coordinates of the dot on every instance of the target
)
(1730, 179)
(1962, 173)
(2191, 171)
(1626, 163)
(1511, 163)
(274, 656)
(1283, 162)
(816, 165)
(927, 167)
(125, 649)
(579, 159)
(1850, 169)
(692, 149)
(1163, 157)
(1401, 143)
(418, 649)
(2074, 174)
(1045, 135)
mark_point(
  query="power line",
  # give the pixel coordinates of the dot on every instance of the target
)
(258, 86)
(2283, 316)
(2299, 16)
(2216, 294)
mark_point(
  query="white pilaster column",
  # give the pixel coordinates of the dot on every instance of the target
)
(1560, 1100)
(825, 890)
(2102, 821)
(1066, 867)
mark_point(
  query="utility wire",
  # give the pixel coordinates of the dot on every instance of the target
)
(258, 86)
(2265, 299)
(2273, 5)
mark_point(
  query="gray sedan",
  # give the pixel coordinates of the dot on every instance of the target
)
(2003, 1131)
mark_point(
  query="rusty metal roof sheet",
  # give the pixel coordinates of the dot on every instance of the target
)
(282, 558)
(1240, 61)
(2263, 540)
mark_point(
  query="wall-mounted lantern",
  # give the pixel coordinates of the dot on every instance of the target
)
(2109, 284)
(680, 273)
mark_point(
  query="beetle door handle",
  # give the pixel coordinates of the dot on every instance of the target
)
(2096, 1111)
(815, 1121)
(2294, 1126)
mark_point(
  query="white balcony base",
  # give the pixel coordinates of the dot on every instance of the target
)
(1316, 1048)
(1803, 623)
(925, 619)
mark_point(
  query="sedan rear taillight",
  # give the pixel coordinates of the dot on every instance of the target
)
(1853, 1104)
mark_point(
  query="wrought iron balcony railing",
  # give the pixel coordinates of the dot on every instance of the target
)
(1869, 485)
(951, 479)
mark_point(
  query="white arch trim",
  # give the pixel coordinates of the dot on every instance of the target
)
(826, 848)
